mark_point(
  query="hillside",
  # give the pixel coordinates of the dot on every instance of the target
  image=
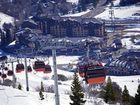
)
(10, 96)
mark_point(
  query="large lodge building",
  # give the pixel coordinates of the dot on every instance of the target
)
(70, 26)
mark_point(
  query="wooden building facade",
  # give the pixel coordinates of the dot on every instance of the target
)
(70, 27)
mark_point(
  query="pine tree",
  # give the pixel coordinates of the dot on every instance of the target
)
(77, 93)
(42, 87)
(41, 91)
(109, 95)
(125, 96)
(137, 96)
(41, 95)
(19, 87)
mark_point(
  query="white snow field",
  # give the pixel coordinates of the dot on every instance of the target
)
(120, 12)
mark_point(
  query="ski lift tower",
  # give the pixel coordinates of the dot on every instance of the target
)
(58, 43)
(112, 16)
(26, 52)
(12, 60)
(49, 43)
(53, 44)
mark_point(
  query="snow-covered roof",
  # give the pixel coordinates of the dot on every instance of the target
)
(5, 19)
(132, 30)
(12, 43)
(73, 1)
(77, 14)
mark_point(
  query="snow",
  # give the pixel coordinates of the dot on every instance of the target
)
(137, 29)
(77, 14)
(129, 34)
(116, 2)
(130, 81)
(127, 43)
(12, 43)
(5, 19)
(120, 12)
(73, 1)
(10, 96)
(65, 59)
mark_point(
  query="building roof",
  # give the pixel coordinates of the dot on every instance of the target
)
(78, 19)
(29, 24)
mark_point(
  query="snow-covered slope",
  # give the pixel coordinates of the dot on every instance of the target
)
(120, 12)
(10, 96)
(77, 14)
(131, 82)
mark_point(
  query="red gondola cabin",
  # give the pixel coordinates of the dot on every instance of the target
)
(92, 71)
(39, 66)
(19, 68)
(3, 76)
(47, 69)
(10, 73)
(95, 75)
(81, 70)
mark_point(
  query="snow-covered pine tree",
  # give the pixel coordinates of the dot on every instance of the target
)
(77, 93)
(125, 96)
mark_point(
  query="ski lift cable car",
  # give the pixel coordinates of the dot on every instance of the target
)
(47, 69)
(39, 66)
(3, 76)
(95, 75)
(19, 67)
(93, 72)
(10, 73)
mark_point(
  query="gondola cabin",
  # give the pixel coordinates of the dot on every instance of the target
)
(10, 73)
(95, 74)
(47, 69)
(39, 66)
(19, 68)
(81, 70)
(3, 76)
(29, 68)
(6, 68)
